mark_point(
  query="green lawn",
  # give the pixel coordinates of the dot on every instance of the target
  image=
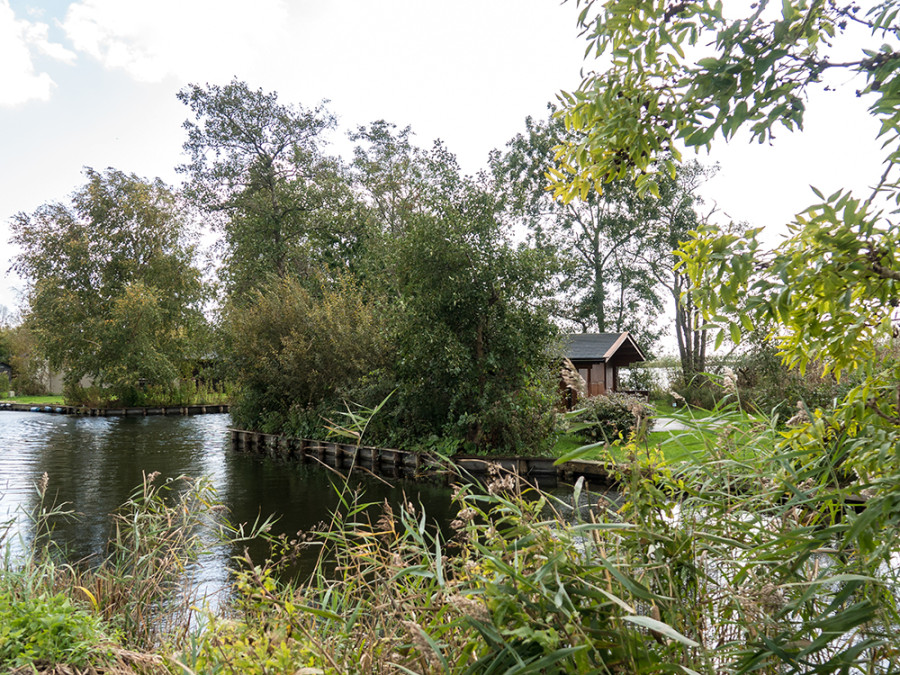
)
(34, 400)
(710, 432)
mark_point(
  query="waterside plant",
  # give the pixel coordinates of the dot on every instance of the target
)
(759, 559)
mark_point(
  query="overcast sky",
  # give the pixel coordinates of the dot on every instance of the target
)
(93, 83)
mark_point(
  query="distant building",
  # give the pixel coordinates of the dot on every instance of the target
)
(598, 356)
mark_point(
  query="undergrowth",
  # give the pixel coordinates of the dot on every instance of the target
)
(765, 558)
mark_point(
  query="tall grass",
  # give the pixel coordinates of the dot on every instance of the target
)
(759, 560)
(114, 615)
(762, 559)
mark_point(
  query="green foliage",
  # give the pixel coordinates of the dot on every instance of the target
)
(684, 73)
(725, 565)
(6, 348)
(180, 393)
(257, 170)
(614, 248)
(114, 294)
(249, 646)
(472, 337)
(294, 351)
(825, 296)
(767, 384)
(640, 377)
(610, 417)
(47, 630)
(28, 368)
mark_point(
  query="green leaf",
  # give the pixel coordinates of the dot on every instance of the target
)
(660, 627)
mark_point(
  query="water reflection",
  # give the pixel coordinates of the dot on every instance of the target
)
(95, 464)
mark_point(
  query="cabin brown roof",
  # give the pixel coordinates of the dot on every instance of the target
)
(602, 347)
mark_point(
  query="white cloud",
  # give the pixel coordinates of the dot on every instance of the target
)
(19, 82)
(187, 39)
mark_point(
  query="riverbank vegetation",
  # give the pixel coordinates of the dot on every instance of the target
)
(752, 560)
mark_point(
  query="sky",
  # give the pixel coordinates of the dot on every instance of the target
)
(93, 83)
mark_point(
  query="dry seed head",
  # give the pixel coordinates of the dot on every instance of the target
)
(499, 485)
(800, 418)
(729, 380)
(771, 598)
(44, 482)
(469, 607)
(417, 634)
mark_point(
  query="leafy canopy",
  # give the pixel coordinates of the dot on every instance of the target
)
(683, 73)
(114, 294)
(257, 168)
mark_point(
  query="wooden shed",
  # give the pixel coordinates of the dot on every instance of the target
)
(598, 357)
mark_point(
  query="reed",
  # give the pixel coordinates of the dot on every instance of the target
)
(118, 615)
(756, 560)
(762, 558)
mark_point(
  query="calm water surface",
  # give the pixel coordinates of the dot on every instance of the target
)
(95, 463)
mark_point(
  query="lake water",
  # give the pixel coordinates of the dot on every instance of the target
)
(95, 463)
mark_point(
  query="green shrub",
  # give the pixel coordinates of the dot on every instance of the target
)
(49, 630)
(293, 349)
(610, 417)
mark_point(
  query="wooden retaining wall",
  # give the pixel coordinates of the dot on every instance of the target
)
(346, 456)
(116, 412)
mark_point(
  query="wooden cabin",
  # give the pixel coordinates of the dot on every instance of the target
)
(598, 356)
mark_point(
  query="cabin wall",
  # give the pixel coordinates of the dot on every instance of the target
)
(595, 376)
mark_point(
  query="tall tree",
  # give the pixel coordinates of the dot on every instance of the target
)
(684, 72)
(114, 294)
(679, 216)
(389, 169)
(470, 326)
(257, 166)
(474, 338)
(614, 246)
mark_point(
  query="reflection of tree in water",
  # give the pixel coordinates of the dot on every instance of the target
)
(95, 464)
(306, 494)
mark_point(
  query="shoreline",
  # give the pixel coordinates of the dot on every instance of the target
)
(119, 411)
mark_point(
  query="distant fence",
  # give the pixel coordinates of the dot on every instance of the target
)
(117, 412)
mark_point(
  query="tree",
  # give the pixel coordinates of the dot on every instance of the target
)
(755, 76)
(114, 295)
(257, 167)
(679, 214)
(388, 168)
(297, 351)
(473, 338)
(616, 245)
(684, 73)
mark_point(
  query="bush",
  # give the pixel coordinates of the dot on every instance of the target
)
(766, 384)
(182, 392)
(610, 416)
(294, 349)
(49, 630)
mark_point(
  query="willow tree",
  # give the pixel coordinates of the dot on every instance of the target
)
(257, 168)
(114, 294)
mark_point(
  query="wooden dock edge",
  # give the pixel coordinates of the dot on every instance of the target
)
(390, 462)
(118, 412)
